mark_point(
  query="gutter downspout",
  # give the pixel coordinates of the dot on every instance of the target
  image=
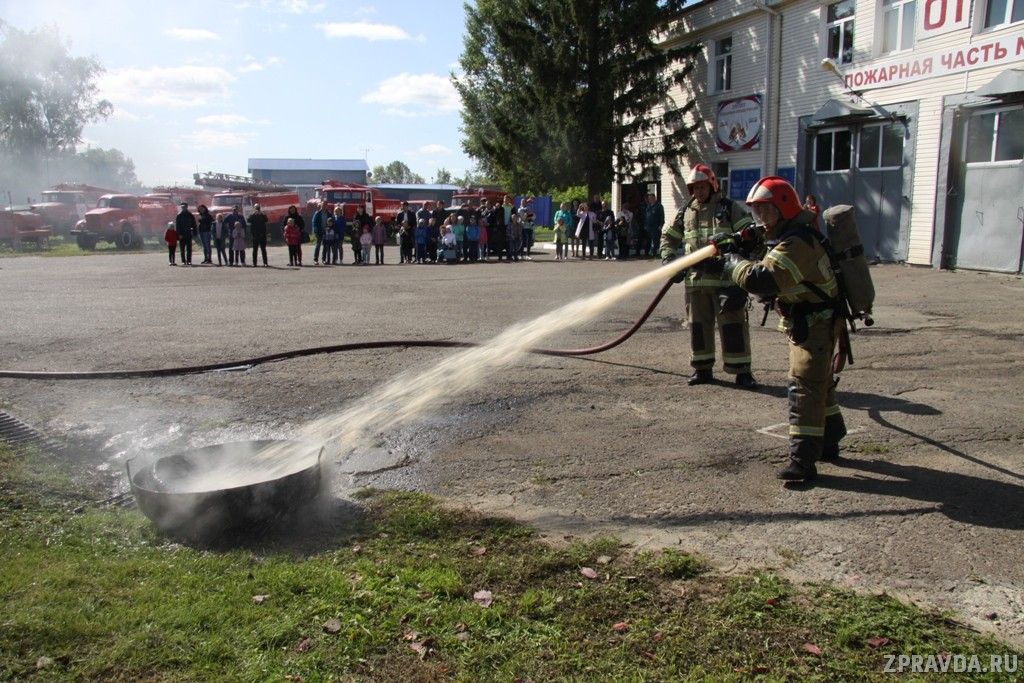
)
(771, 147)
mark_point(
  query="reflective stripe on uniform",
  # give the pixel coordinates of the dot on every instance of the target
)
(730, 359)
(704, 282)
(803, 430)
(832, 410)
(672, 232)
(785, 262)
(702, 356)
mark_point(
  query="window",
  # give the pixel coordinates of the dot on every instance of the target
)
(897, 25)
(840, 31)
(723, 65)
(1003, 12)
(721, 171)
(881, 146)
(832, 150)
(995, 136)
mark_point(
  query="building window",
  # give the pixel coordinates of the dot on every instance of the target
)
(723, 65)
(999, 12)
(721, 171)
(898, 25)
(881, 146)
(840, 31)
(995, 136)
(832, 150)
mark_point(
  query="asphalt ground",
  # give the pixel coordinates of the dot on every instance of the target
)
(927, 504)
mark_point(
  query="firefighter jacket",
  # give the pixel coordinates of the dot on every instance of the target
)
(796, 271)
(692, 228)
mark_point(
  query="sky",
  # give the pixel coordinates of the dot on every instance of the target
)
(204, 86)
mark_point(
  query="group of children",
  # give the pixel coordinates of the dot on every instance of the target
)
(464, 238)
(235, 237)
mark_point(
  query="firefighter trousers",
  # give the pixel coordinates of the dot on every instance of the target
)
(814, 418)
(726, 309)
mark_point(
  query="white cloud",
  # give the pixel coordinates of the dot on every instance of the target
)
(301, 6)
(251, 65)
(166, 86)
(228, 120)
(365, 11)
(433, 150)
(207, 138)
(363, 29)
(191, 34)
(413, 95)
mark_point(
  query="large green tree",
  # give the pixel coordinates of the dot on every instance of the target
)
(46, 95)
(395, 172)
(563, 92)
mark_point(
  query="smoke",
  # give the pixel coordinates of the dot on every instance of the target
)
(22, 179)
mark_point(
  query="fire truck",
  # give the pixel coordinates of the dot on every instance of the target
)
(20, 225)
(65, 204)
(124, 219)
(352, 195)
(190, 195)
(476, 196)
(243, 191)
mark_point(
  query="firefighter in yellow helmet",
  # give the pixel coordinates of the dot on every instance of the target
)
(797, 272)
(710, 300)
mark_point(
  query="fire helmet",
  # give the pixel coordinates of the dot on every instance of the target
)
(701, 173)
(777, 192)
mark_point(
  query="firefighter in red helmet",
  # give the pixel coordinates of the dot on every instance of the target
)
(710, 301)
(798, 274)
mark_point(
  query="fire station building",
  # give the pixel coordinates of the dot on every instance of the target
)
(911, 110)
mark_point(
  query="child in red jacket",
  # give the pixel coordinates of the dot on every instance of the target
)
(171, 237)
(292, 237)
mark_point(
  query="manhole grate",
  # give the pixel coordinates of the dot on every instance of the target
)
(19, 435)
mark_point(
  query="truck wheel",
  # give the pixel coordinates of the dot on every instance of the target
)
(43, 243)
(86, 243)
(140, 242)
(126, 238)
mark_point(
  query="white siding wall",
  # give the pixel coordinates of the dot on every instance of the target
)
(805, 87)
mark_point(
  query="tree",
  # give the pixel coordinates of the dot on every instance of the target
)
(443, 177)
(564, 92)
(46, 95)
(396, 172)
(102, 167)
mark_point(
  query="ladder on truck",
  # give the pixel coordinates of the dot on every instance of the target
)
(226, 181)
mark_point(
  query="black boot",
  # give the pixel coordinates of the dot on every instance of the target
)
(745, 380)
(701, 376)
(829, 452)
(797, 471)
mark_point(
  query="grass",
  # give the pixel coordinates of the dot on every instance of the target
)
(101, 596)
(59, 246)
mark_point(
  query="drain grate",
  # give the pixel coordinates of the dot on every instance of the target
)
(19, 435)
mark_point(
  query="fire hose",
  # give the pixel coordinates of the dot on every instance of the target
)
(244, 364)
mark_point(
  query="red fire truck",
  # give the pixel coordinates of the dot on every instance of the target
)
(63, 205)
(475, 196)
(124, 219)
(20, 225)
(352, 195)
(245, 192)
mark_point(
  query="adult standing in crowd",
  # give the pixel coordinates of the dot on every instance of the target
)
(300, 223)
(496, 237)
(574, 241)
(185, 226)
(221, 233)
(228, 231)
(360, 220)
(340, 230)
(319, 227)
(711, 300)
(654, 221)
(624, 221)
(258, 230)
(205, 228)
(603, 215)
(434, 238)
(586, 229)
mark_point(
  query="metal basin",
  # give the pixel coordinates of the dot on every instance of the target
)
(207, 491)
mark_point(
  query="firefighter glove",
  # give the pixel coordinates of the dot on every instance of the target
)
(725, 242)
(732, 261)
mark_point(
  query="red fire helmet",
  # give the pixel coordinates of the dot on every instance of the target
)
(701, 173)
(776, 191)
